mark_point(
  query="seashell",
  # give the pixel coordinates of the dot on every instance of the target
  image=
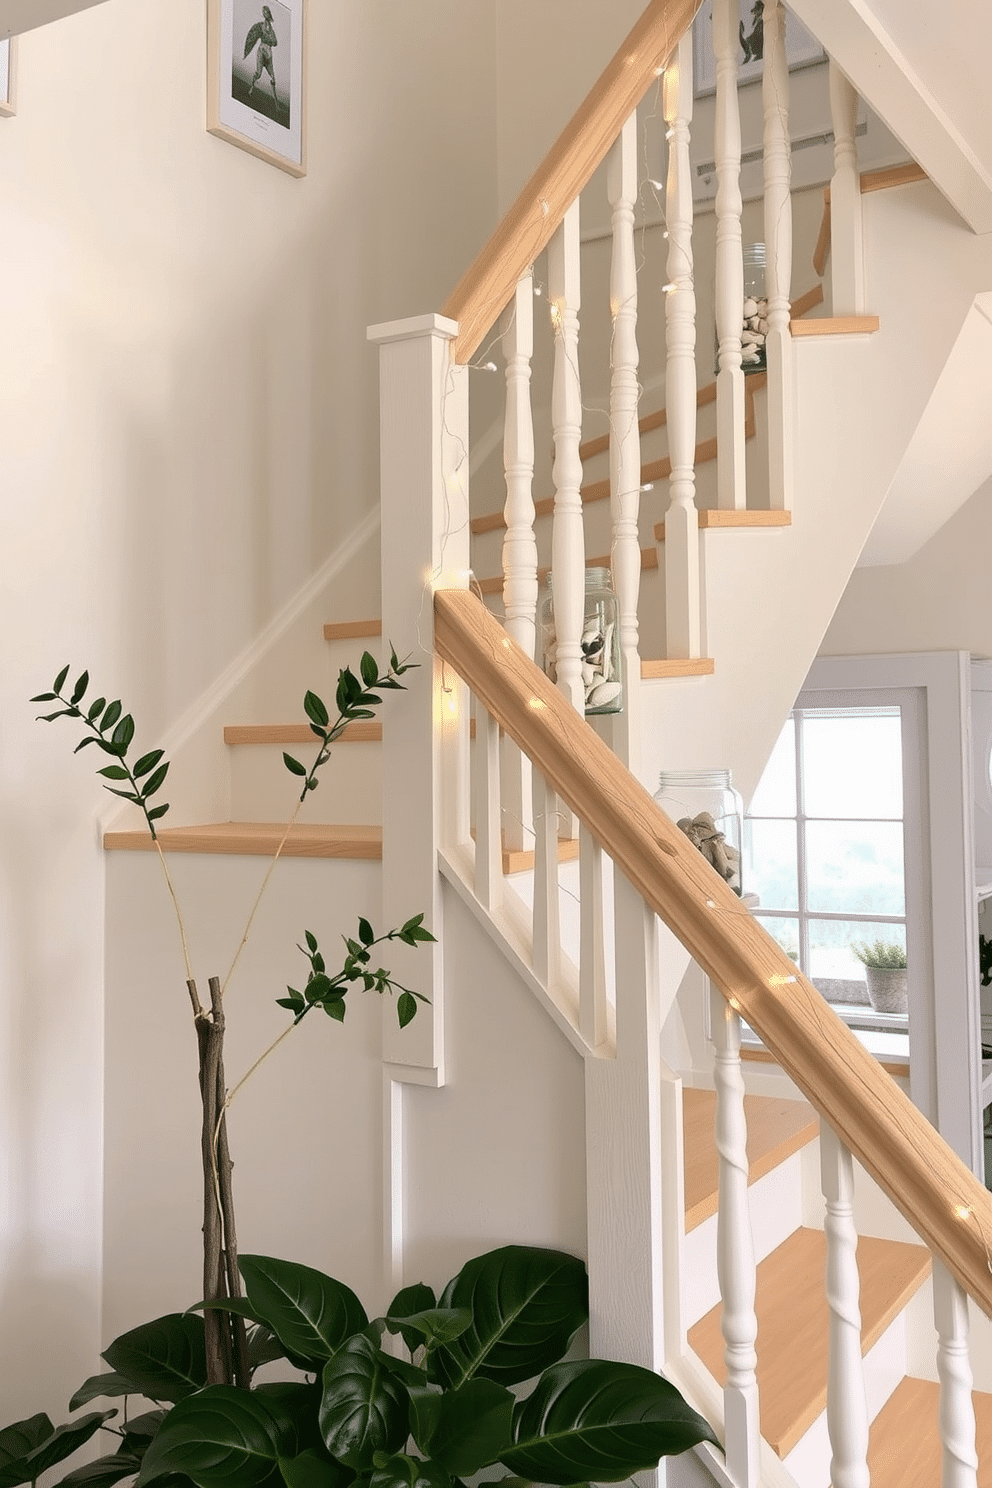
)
(751, 338)
(607, 658)
(750, 307)
(588, 673)
(751, 354)
(603, 694)
(763, 324)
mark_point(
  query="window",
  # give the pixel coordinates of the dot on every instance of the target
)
(826, 832)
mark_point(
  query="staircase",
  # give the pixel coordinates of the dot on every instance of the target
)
(536, 852)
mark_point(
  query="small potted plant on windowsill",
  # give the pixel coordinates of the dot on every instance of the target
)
(886, 974)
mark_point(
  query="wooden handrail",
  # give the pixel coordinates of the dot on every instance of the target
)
(927, 1182)
(485, 290)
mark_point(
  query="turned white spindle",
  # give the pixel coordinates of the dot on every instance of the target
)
(488, 837)
(625, 439)
(592, 942)
(682, 617)
(778, 256)
(730, 474)
(519, 544)
(567, 539)
(847, 262)
(847, 1411)
(547, 929)
(735, 1249)
(959, 1460)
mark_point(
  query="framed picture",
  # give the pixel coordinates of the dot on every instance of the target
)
(8, 76)
(256, 78)
(801, 47)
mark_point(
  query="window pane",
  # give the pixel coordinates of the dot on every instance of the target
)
(786, 932)
(776, 793)
(773, 856)
(852, 866)
(834, 968)
(852, 763)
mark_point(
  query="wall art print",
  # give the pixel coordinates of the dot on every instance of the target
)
(8, 76)
(801, 47)
(256, 78)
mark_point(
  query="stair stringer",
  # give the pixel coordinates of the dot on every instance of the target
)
(770, 595)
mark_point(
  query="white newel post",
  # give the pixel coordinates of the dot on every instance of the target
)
(730, 472)
(625, 439)
(778, 257)
(847, 260)
(519, 544)
(423, 399)
(959, 1460)
(682, 616)
(568, 539)
(847, 1410)
(735, 1250)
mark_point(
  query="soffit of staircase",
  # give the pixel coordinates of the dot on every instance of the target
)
(949, 457)
(17, 16)
(918, 99)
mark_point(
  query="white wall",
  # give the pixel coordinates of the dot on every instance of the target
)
(187, 428)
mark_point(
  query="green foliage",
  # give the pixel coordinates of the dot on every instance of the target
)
(883, 955)
(356, 698)
(364, 1418)
(329, 992)
(985, 960)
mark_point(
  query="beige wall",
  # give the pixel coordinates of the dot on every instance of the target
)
(939, 600)
(187, 432)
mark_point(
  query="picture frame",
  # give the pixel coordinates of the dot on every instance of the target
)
(801, 48)
(8, 76)
(256, 78)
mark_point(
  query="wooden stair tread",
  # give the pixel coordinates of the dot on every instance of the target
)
(904, 1440)
(297, 733)
(258, 839)
(791, 1308)
(836, 325)
(719, 518)
(776, 1128)
(348, 630)
(678, 666)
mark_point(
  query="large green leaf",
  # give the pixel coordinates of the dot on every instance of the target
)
(527, 1305)
(56, 1447)
(435, 1325)
(401, 1471)
(314, 1469)
(100, 1384)
(221, 1437)
(165, 1359)
(596, 1421)
(365, 1409)
(311, 1314)
(22, 1437)
(464, 1429)
(104, 1472)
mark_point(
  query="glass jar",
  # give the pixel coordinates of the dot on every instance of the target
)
(705, 806)
(601, 674)
(754, 328)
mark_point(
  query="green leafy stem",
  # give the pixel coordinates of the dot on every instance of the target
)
(329, 992)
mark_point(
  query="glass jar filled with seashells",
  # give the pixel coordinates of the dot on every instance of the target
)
(601, 674)
(704, 805)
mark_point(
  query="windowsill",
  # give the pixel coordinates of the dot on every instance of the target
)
(889, 1046)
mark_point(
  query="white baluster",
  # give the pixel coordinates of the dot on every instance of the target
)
(547, 928)
(625, 439)
(520, 544)
(488, 833)
(681, 519)
(592, 948)
(847, 1411)
(778, 251)
(847, 263)
(735, 1249)
(567, 541)
(959, 1460)
(731, 480)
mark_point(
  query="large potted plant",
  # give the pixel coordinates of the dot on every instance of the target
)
(421, 1397)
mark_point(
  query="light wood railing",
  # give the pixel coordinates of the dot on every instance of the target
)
(939, 1197)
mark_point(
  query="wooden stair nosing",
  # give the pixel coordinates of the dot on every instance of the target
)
(347, 630)
(792, 1312)
(677, 666)
(777, 1127)
(836, 325)
(718, 517)
(257, 839)
(298, 733)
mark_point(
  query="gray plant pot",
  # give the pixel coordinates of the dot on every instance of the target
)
(888, 989)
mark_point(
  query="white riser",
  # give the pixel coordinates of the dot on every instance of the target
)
(776, 1211)
(884, 1366)
(262, 789)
